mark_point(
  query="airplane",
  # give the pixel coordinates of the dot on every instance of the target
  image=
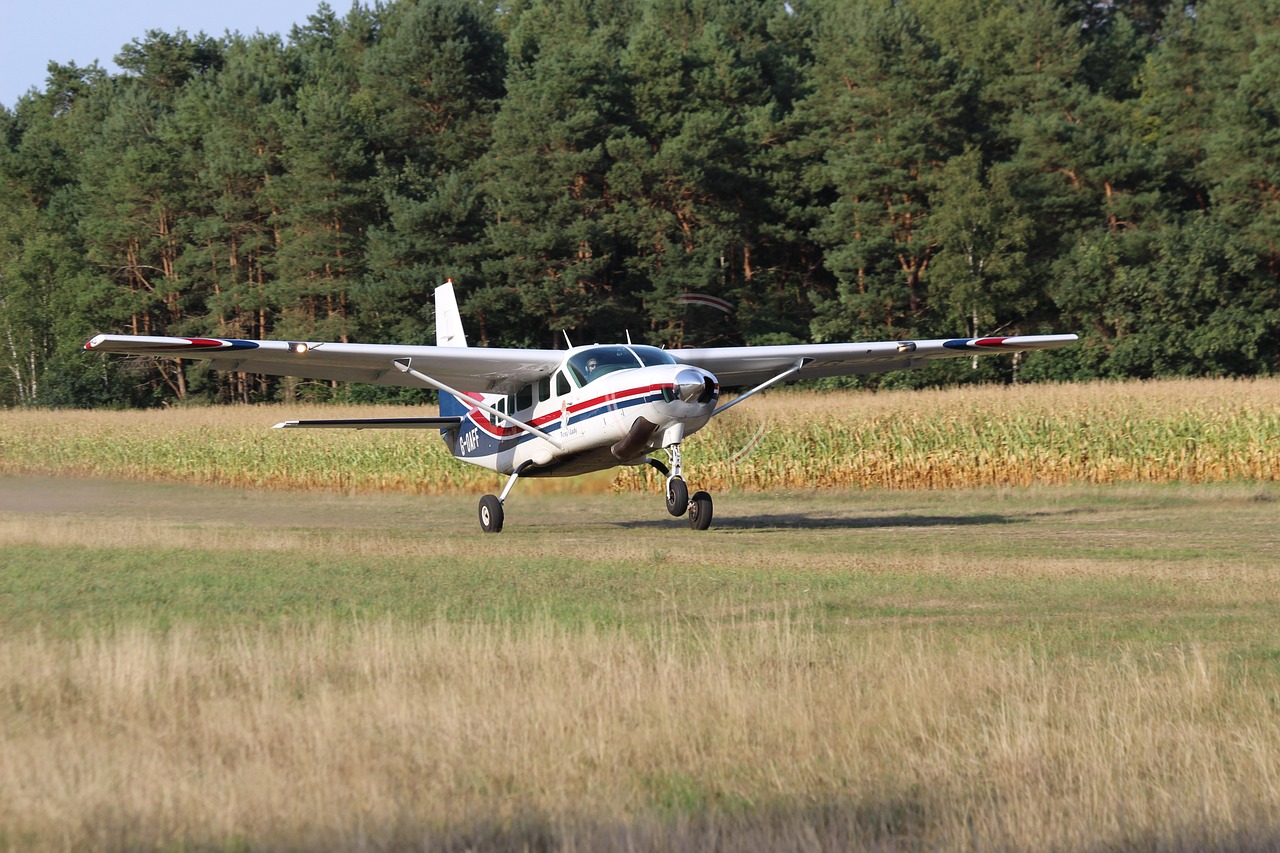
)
(560, 413)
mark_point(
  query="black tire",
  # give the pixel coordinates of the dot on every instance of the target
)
(677, 497)
(490, 514)
(700, 511)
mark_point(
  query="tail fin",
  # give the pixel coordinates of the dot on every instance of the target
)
(449, 333)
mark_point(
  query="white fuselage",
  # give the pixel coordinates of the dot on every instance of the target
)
(591, 406)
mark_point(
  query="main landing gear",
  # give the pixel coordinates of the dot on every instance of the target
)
(491, 515)
(698, 507)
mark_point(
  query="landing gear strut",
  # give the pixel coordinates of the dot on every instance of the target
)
(678, 501)
(677, 491)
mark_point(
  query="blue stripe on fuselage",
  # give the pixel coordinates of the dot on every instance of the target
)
(486, 444)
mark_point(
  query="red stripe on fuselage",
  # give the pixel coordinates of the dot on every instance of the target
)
(481, 418)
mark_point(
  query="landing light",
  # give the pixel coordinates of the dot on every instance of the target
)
(299, 348)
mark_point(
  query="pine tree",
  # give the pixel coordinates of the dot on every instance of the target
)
(322, 202)
(555, 258)
(433, 82)
(137, 194)
(234, 119)
(889, 110)
(694, 171)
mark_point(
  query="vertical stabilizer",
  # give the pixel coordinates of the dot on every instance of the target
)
(449, 333)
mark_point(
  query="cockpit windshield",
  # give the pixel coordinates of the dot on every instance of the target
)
(651, 356)
(590, 364)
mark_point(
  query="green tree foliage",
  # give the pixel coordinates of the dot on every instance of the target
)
(834, 169)
(888, 111)
(979, 278)
(686, 172)
(431, 85)
(556, 260)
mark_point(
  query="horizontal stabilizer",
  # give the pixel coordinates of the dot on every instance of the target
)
(373, 423)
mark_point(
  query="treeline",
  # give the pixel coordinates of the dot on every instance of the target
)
(833, 169)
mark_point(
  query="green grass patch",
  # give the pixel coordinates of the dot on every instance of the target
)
(1156, 566)
(185, 667)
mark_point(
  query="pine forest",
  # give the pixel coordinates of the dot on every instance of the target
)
(825, 170)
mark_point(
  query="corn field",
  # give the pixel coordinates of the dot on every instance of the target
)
(1194, 431)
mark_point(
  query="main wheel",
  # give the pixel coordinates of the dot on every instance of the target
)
(677, 497)
(490, 514)
(700, 511)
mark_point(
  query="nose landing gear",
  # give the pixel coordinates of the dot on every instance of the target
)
(678, 501)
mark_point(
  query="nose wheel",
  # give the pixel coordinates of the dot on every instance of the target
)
(679, 503)
(700, 511)
(677, 497)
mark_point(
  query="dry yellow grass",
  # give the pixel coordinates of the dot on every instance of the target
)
(1190, 431)
(376, 735)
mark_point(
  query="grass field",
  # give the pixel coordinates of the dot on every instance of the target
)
(998, 667)
(1076, 668)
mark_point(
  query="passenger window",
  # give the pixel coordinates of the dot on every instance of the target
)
(544, 389)
(562, 384)
(524, 398)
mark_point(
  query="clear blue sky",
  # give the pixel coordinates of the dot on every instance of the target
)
(33, 32)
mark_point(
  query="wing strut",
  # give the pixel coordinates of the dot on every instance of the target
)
(795, 368)
(404, 366)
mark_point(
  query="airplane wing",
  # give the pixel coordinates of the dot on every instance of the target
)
(503, 371)
(477, 369)
(750, 365)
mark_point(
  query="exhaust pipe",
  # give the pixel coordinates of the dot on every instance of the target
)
(635, 442)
